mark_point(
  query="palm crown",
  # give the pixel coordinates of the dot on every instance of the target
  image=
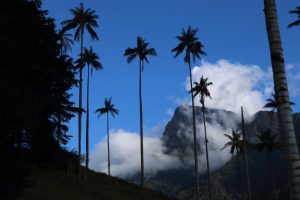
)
(273, 103)
(297, 12)
(108, 108)
(235, 144)
(267, 142)
(190, 43)
(82, 19)
(141, 50)
(89, 57)
(201, 89)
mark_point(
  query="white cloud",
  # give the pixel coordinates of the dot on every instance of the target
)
(125, 155)
(234, 85)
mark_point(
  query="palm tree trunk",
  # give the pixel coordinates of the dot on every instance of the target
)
(194, 134)
(206, 153)
(141, 124)
(80, 111)
(239, 165)
(246, 158)
(87, 122)
(272, 175)
(281, 92)
(108, 153)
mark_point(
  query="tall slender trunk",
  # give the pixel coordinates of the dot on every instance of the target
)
(206, 153)
(240, 168)
(271, 174)
(108, 153)
(281, 92)
(141, 123)
(246, 157)
(87, 122)
(194, 134)
(80, 110)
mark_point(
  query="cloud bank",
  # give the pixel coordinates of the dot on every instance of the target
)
(234, 85)
(125, 155)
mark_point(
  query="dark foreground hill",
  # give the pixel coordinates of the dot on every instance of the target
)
(59, 185)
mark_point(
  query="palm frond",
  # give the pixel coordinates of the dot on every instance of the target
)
(188, 42)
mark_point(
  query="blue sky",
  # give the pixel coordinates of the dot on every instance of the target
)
(230, 30)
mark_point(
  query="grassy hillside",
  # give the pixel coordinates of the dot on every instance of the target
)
(57, 185)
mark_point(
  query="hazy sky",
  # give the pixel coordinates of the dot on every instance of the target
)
(234, 37)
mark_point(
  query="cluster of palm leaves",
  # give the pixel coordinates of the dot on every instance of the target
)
(189, 44)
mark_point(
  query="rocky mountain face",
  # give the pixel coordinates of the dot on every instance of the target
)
(227, 175)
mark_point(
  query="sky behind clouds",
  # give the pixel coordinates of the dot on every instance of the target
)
(234, 37)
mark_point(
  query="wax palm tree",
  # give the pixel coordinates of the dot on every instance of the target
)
(82, 19)
(91, 59)
(235, 143)
(273, 103)
(189, 42)
(245, 153)
(281, 92)
(108, 108)
(142, 52)
(65, 41)
(297, 22)
(201, 89)
(267, 142)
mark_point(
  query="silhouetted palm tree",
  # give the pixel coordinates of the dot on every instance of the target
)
(201, 89)
(89, 58)
(108, 108)
(189, 42)
(235, 143)
(267, 142)
(65, 41)
(273, 103)
(245, 152)
(281, 92)
(297, 12)
(82, 19)
(141, 51)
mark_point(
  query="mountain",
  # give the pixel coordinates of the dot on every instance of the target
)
(227, 175)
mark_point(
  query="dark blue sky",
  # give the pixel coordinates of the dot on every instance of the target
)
(231, 30)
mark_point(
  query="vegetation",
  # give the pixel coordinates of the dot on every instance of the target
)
(201, 89)
(83, 19)
(108, 109)
(91, 59)
(35, 78)
(297, 22)
(267, 143)
(189, 42)
(141, 51)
